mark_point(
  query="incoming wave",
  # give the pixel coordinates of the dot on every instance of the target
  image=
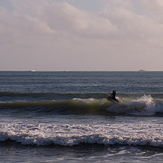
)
(144, 106)
(74, 106)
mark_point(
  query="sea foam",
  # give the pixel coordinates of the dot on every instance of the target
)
(143, 106)
(70, 135)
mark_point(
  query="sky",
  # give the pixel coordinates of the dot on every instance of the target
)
(81, 35)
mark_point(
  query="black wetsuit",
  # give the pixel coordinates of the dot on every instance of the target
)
(113, 95)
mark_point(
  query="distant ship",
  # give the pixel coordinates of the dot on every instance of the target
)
(142, 70)
(33, 70)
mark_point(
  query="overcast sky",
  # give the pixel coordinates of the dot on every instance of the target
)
(81, 35)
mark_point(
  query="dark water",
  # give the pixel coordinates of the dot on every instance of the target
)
(64, 117)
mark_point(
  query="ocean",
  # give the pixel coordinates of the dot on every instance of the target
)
(64, 117)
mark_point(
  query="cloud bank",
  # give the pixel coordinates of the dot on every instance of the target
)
(54, 35)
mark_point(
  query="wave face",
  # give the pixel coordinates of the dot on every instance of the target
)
(70, 135)
(143, 106)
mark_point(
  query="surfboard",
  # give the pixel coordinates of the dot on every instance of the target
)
(109, 98)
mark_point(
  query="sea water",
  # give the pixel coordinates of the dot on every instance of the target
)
(65, 117)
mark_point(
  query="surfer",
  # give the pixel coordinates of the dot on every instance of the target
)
(112, 96)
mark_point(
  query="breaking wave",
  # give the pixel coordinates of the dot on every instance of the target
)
(144, 106)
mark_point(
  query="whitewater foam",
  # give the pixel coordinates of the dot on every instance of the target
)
(144, 106)
(70, 135)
